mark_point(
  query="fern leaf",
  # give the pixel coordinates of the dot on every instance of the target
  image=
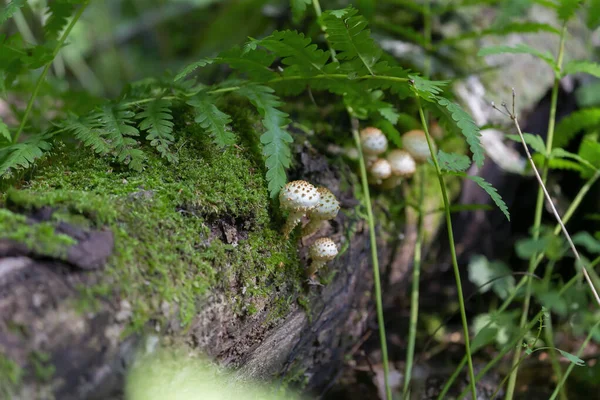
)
(254, 63)
(427, 89)
(275, 139)
(561, 153)
(563, 164)
(157, 121)
(521, 48)
(23, 155)
(589, 150)
(586, 67)
(534, 141)
(575, 123)
(492, 192)
(87, 130)
(467, 126)
(117, 123)
(295, 49)
(452, 162)
(60, 11)
(566, 9)
(507, 29)
(191, 68)
(593, 14)
(10, 9)
(347, 34)
(299, 9)
(4, 132)
(212, 119)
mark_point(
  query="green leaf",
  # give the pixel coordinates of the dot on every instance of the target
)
(590, 150)
(588, 241)
(520, 49)
(561, 153)
(572, 358)
(347, 33)
(157, 120)
(494, 275)
(566, 9)
(59, 12)
(506, 29)
(299, 9)
(527, 247)
(275, 139)
(117, 124)
(390, 131)
(212, 119)
(88, 131)
(586, 67)
(551, 299)
(254, 63)
(593, 14)
(389, 113)
(575, 123)
(562, 164)
(23, 155)
(452, 161)
(534, 141)
(492, 192)
(427, 89)
(468, 128)
(4, 132)
(10, 9)
(191, 68)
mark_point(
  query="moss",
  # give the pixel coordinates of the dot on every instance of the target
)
(10, 376)
(168, 241)
(42, 367)
(40, 238)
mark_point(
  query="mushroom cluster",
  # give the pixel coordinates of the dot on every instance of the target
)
(302, 199)
(399, 163)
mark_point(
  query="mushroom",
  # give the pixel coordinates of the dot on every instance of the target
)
(415, 143)
(373, 143)
(297, 197)
(402, 163)
(380, 170)
(327, 209)
(321, 251)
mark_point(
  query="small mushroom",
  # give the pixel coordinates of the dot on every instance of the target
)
(415, 143)
(297, 197)
(373, 143)
(321, 251)
(327, 209)
(380, 170)
(402, 163)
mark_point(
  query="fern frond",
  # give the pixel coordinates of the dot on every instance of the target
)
(60, 11)
(299, 9)
(575, 123)
(507, 29)
(561, 153)
(275, 139)
(492, 192)
(521, 48)
(467, 126)
(534, 141)
(563, 164)
(586, 67)
(88, 131)
(347, 33)
(156, 118)
(116, 121)
(4, 132)
(427, 89)
(593, 14)
(295, 49)
(191, 68)
(566, 9)
(212, 119)
(253, 63)
(10, 9)
(452, 162)
(589, 150)
(23, 155)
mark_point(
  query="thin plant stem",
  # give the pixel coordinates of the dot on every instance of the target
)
(414, 300)
(538, 211)
(461, 300)
(42, 76)
(375, 261)
(549, 338)
(572, 365)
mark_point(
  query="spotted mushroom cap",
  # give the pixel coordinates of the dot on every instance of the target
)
(328, 206)
(323, 249)
(402, 163)
(373, 141)
(299, 196)
(381, 169)
(415, 143)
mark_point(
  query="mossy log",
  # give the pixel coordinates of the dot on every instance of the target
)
(95, 257)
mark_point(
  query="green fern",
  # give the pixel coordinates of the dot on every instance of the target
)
(521, 48)
(156, 118)
(191, 68)
(534, 141)
(299, 9)
(575, 123)
(452, 162)
(10, 9)
(586, 67)
(566, 9)
(88, 131)
(467, 126)
(275, 139)
(59, 12)
(254, 63)
(116, 122)
(212, 119)
(492, 192)
(4, 132)
(507, 29)
(23, 155)
(589, 150)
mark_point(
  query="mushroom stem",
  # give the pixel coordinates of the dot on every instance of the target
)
(293, 219)
(312, 226)
(314, 267)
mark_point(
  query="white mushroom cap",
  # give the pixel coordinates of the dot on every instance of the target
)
(328, 206)
(402, 163)
(299, 196)
(373, 141)
(323, 249)
(380, 169)
(415, 143)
